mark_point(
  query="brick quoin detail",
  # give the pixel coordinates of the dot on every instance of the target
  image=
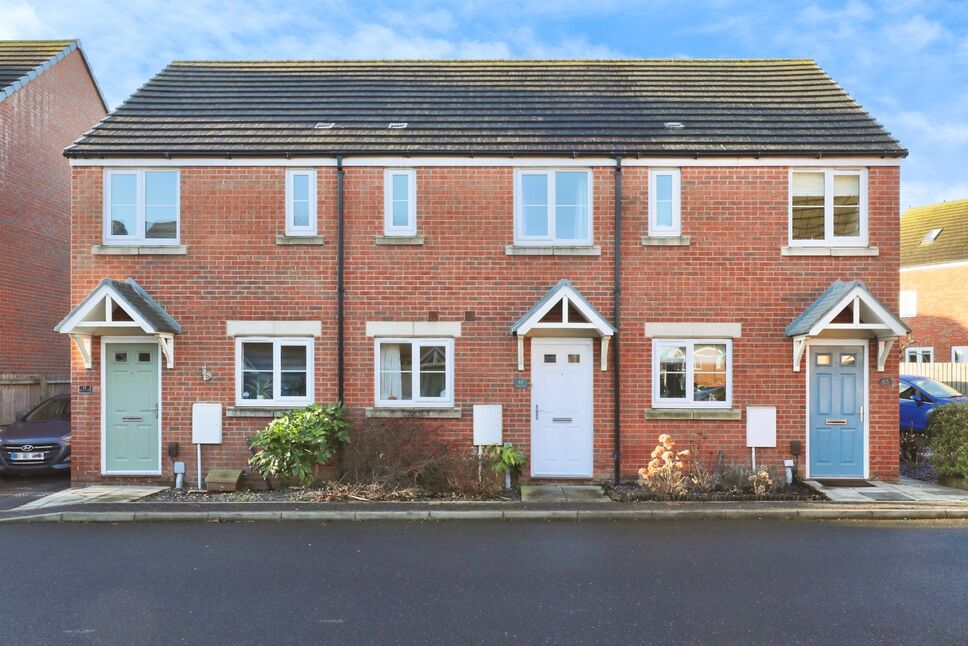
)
(36, 123)
(732, 271)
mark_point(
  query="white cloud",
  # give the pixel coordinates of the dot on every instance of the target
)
(914, 33)
(930, 127)
(18, 18)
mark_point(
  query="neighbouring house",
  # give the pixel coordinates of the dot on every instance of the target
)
(48, 97)
(417, 238)
(934, 282)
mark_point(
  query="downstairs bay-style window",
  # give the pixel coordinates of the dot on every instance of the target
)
(414, 372)
(274, 371)
(552, 207)
(141, 207)
(692, 373)
(828, 208)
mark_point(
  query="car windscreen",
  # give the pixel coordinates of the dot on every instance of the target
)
(52, 409)
(935, 388)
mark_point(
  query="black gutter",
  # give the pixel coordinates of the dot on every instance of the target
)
(617, 296)
(340, 363)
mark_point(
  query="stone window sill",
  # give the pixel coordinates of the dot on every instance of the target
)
(139, 250)
(253, 411)
(830, 251)
(399, 240)
(527, 250)
(294, 240)
(666, 241)
(405, 412)
(693, 413)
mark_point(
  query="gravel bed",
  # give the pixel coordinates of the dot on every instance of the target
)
(633, 492)
(328, 493)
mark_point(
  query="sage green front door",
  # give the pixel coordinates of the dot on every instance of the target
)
(131, 442)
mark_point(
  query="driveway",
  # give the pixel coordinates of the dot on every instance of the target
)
(483, 582)
(19, 490)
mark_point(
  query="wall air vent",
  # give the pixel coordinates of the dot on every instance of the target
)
(397, 125)
(324, 125)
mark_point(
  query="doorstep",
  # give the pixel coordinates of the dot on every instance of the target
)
(563, 493)
(906, 490)
(93, 494)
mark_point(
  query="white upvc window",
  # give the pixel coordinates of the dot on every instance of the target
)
(828, 208)
(414, 372)
(274, 371)
(141, 207)
(664, 202)
(919, 354)
(692, 373)
(400, 202)
(959, 354)
(909, 303)
(300, 202)
(553, 207)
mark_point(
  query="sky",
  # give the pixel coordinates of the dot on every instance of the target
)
(905, 61)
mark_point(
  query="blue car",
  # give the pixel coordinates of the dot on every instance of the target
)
(919, 397)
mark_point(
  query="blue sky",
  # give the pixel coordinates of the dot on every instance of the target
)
(905, 61)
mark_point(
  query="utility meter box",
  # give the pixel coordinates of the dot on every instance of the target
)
(488, 422)
(760, 426)
(206, 423)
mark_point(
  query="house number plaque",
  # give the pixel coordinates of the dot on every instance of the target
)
(885, 381)
(520, 383)
(85, 390)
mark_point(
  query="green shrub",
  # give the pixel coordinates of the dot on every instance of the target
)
(506, 457)
(948, 435)
(291, 445)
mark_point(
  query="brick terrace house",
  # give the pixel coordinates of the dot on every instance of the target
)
(934, 282)
(609, 250)
(48, 97)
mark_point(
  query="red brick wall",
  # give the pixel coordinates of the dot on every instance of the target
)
(732, 272)
(942, 317)
(36, 123)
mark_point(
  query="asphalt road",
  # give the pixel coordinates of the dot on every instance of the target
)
(721, 582)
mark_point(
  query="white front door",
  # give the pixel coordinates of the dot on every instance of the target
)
(561, 408)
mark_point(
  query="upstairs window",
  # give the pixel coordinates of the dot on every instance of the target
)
(400, 202)
(828, 208)
(664, 203)
(552, 207)
(141, 207)
(300, 202)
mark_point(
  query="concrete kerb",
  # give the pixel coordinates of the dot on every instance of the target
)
(412, 515)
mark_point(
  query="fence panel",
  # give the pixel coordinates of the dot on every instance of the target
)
(20, 393)
(953, 374)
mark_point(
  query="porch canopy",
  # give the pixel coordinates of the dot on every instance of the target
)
(119, 308)
(563, 312)
(846, 309)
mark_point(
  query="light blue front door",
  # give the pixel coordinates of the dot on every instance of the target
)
(837, 411)
(131, 442)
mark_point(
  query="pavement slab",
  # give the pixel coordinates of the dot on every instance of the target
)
(95, 494)
(563, 494)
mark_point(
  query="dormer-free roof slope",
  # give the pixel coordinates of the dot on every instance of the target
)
(948, 245)
(21, 61)
(605, 107)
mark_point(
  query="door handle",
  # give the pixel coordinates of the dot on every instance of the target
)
(536, 411)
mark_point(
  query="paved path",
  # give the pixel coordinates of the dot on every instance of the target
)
(563, 493)
(92, 494)
(482, 582)
(907, 490)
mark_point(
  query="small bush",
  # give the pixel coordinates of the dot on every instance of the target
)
(392, 453)
(914, 447)
(461, 473)
(665, 472)
(734, 478)
(948, 435)
(289, 446)
(703, 480)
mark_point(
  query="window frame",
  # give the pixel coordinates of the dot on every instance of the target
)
(829, 240)
(139, 238)
(959, 348)
(416, 401)
(389, 229)
(291, 228)
(911, 309)
(675, 230)
(919, 349)
(551, 240)
(277, 400)
(659, 402)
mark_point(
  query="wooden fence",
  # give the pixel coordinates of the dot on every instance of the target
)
(953, 374)
(20, 393)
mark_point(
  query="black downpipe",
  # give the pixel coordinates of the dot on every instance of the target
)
(340, 370)
(617, 295)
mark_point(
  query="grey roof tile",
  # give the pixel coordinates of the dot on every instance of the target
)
(18, 58)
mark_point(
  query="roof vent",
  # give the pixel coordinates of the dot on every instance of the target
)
(931, 235)
(397, 125)
(324, 125)
(674, 124)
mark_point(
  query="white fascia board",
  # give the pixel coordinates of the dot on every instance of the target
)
(273, 328)
(940, 265)
(690, 330)
(413, 328)
(511, 162)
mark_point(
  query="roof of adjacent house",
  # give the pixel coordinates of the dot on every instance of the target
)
(595, 107)
(950, 244)
(21, 61)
